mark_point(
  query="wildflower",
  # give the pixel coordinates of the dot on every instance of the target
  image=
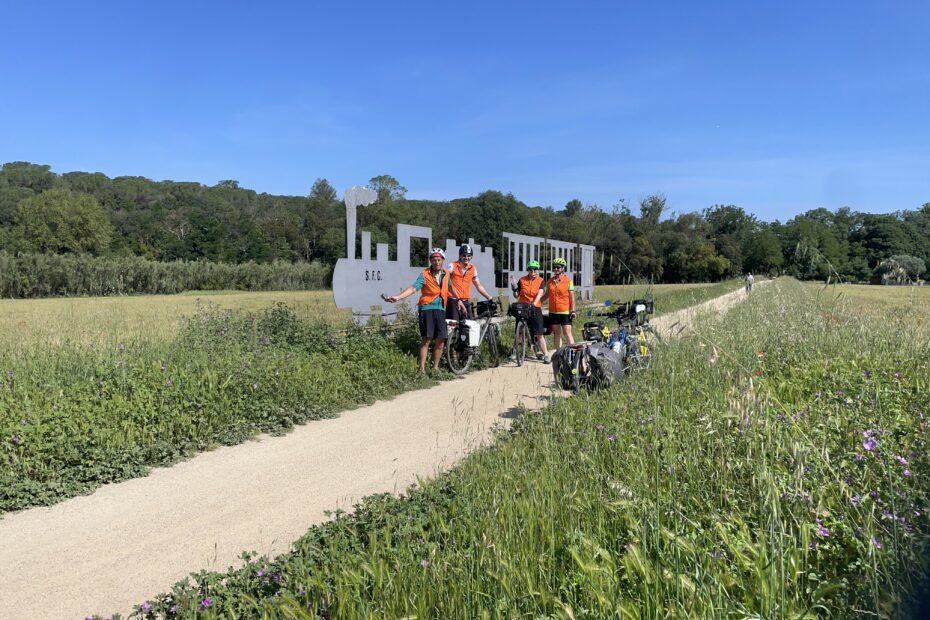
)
(206, 603)
(858, 457)
(902, 460)
(873, 494)
(907, 473)
(868, 432)
(897, 375)
(169, 382)
(254, 386)
(812, 545)
(424, 563)
(24, 422)
(612, 438)
(855, 500)
(173, 609)
(876, 543)
(260, 573)
(824, 531)
(16, 439)
(866, 373)
(869, 444)
(146, 605)
(121, 347)
(718, 554)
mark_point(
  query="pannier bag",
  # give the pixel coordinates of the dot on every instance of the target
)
(606, 364)
(487, 308)
(521, 310)
(474, 332)
(562, 369)
(596, 331)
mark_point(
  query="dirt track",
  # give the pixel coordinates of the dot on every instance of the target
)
(108, 551)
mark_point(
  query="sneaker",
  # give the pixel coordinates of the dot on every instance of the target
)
(546, 360)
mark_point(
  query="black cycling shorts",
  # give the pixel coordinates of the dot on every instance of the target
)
(560, 319)
(433, 324)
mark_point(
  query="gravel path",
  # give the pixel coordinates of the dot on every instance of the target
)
(110, 550)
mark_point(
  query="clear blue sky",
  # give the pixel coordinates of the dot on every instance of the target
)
(778, 107)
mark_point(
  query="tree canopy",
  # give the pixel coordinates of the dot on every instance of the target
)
(90, 213)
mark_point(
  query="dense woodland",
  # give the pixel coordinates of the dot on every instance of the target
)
(90, 215)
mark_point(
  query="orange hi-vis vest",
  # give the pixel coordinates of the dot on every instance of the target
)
(527, 289)
(431, 290)
(559, 294)
(461, 280)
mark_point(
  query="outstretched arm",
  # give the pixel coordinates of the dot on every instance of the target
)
(393, 299)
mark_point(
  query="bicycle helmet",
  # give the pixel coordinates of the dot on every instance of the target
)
(437, 252)
(533, 264)
(465, 250)
(559, 262)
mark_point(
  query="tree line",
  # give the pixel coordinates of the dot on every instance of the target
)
(88, 213)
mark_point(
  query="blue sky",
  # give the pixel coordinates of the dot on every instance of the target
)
(778, 107)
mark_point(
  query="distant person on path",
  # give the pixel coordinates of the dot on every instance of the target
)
(526, 290)
(463, 274)
(433, 285)
(560, 291)
(749, 281)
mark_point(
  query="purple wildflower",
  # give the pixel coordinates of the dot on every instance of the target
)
(907, 473)
(206, 603)
(146, 605)
(424, 563)
(173, 609)
(812, 545)
(260, 573)
(873, 494)
(897, 375)
(902, 460)
(858, 458)
(611, 438)
(869, 444)
(824, 531)
(855, 500)
(718, 554)
(876, 542)
(868, 432)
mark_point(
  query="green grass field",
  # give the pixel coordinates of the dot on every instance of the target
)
(97, 390)
(774, 465)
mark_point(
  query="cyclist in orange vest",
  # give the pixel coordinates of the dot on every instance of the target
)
(463, 275)
(433, 285)
(560, 291)
(526, 289)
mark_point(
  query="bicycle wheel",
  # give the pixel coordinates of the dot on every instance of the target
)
(521, 335)
(494, 356)
(458, 354)
(643, 350)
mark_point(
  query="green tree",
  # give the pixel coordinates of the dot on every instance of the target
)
(36, 177)
(60, 221)
(388, 188)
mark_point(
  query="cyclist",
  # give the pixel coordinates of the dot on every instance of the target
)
(526, 289)
(433, 285)
(560, 291)
(463, 275)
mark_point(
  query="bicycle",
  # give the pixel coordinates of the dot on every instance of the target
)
(462, 350)
(635, 335)
(522, 333)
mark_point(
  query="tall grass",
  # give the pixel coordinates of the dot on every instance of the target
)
(775, 465)
(51, 275)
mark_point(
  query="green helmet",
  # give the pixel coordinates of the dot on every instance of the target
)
(533, 264)
(560, 261)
